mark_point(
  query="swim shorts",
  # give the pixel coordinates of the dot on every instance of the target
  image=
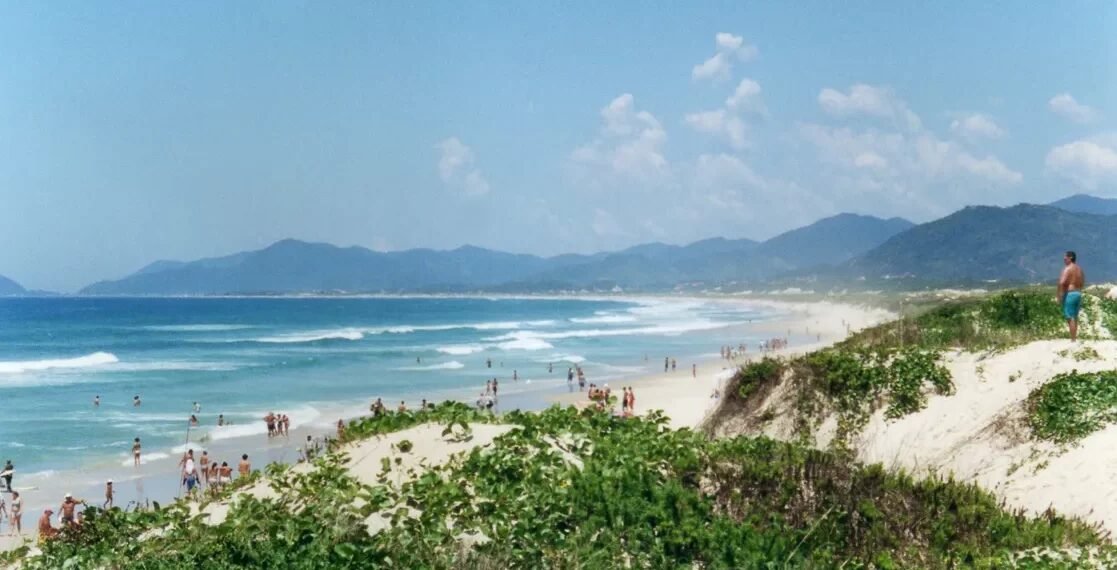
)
(1071, 304)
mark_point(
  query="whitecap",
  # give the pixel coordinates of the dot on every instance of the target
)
(197, 328)
(461, 349)
(314, 336)
(452, 365)
(87, 361)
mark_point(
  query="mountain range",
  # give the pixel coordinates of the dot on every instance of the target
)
(292, 266)
(1023, 243)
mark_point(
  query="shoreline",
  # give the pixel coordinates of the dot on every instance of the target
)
(158, 480)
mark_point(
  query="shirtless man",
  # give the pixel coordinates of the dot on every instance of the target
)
(244, 467)
(1070, 292)
(69, 504)
(46, 530)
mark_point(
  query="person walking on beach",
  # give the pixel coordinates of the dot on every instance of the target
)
(666, 363)
(136, 452)
(7, 473)
(16, 517)
(694, 371)
(108, 495)
(1071, 282)
(244, 467)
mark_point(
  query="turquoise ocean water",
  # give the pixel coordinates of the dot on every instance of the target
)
(307, 357)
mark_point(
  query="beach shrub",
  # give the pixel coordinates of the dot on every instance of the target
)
(585, 489)
(1072, 406)
(756, 374)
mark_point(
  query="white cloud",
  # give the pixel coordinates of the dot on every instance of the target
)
(630, 143)
(746, 97)
(1088, 163)
(456, 168)
(1066, 106)
(976, 126)
(720, 123)
(730, 48)
(904, 172)
(870, 160)
(868, 100)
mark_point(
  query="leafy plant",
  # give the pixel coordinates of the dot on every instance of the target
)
(1072, 406)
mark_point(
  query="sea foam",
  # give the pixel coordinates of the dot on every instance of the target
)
(87, 361)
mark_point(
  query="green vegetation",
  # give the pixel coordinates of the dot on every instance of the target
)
(1073, 405)
(998, 321)
(584, 489)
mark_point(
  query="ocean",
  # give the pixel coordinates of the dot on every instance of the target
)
(314, 359)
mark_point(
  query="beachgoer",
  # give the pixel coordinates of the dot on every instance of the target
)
(550, 368)
(423, 404)
(515, 376)
(108, 495)
(308, 448)
(6, 473)
(1071, 282)
(66, 514)
(244, 467)
(488, 363)
(341, 429)
(189, 471)
(402, 407)
(417, 360)
(674, 363)
(495, 386)
(136, 401)
(227, 472)
(136, 452)
(286, 425)
(204, 462)
(193, 420)
(666, 364)
(269, 420)
(16, 516)
(220, 420)
(694, 371)
(197, 408)
(214, 475)
(46, 530)
(97, 401)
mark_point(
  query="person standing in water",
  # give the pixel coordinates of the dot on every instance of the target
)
(1071, 282)
(97, 401)
(136, 452)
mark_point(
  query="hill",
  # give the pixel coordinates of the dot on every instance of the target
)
(9, 287)
(292, 266)
(1024, 243)
(1086, 204)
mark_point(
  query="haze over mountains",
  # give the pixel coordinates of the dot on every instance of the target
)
(291, 266)
(1023, 243)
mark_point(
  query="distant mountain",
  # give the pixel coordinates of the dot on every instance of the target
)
(292, 266)
(9, 287)
(1086, 204)
(1024, 243)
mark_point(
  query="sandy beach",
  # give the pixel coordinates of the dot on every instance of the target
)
(685, 399)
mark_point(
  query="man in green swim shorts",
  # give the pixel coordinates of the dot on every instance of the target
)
(1070, 292)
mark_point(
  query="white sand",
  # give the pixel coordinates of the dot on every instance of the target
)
(976, 434)
(687, 399)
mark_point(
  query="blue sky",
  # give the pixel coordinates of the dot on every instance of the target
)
(131, 132)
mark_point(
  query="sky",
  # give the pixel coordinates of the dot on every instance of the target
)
(137, 131)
